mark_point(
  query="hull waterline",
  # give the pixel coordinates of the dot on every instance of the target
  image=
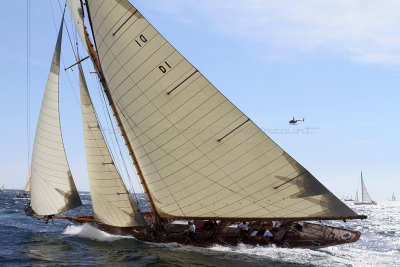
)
(210, 233)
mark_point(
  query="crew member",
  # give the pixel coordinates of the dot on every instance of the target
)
(244, 229)
(191, 232)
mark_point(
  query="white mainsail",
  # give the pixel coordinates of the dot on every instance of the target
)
(365, 197)
(52, 187)
(201, 157)
(393, 197)
(111, 201)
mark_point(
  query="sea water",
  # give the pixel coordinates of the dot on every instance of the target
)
(25, 241)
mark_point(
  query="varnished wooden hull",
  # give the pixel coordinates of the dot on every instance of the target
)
(310, 236)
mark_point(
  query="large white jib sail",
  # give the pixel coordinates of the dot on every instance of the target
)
(52, 187)
(200, 156)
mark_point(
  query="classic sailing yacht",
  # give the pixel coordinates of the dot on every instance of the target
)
(365, 197)
(198, 157)
(2, 189)
(393, 197)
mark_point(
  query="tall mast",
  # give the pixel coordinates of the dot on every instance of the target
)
(103, 81)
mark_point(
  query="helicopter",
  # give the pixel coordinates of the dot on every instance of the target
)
(294, 121)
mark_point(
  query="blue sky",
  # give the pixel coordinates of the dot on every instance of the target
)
(336, 63)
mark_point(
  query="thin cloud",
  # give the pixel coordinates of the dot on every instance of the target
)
(363, 31)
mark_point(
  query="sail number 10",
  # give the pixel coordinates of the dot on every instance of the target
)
(141, 41)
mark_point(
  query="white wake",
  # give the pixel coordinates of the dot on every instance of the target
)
(90, 232)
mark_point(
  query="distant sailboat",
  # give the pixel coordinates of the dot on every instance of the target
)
(365, 197)
(393, 197)
(27, 188)
(2, 188)
(192, 173)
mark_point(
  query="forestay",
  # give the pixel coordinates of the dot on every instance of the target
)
(111, 201)
(201, 157)
(52, 187)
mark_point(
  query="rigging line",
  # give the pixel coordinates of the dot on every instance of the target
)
(104, 105)
(119, 148)
(115, 162)
(66, 27)
(62, 58)
(103, 130)
(114, 158)
(28, 55)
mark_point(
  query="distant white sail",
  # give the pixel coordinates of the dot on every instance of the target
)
(365, 197)
(52, 187)
(201, 157)
(111, 201)
(364, 193)
(28, 182)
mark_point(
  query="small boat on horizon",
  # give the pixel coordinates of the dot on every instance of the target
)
(25, 195)
(365, 197)
(393, 197)
(348, 198)
(22, 195)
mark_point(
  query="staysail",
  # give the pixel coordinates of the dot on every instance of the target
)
(111, 201)
(201, 157)
(52, 187)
